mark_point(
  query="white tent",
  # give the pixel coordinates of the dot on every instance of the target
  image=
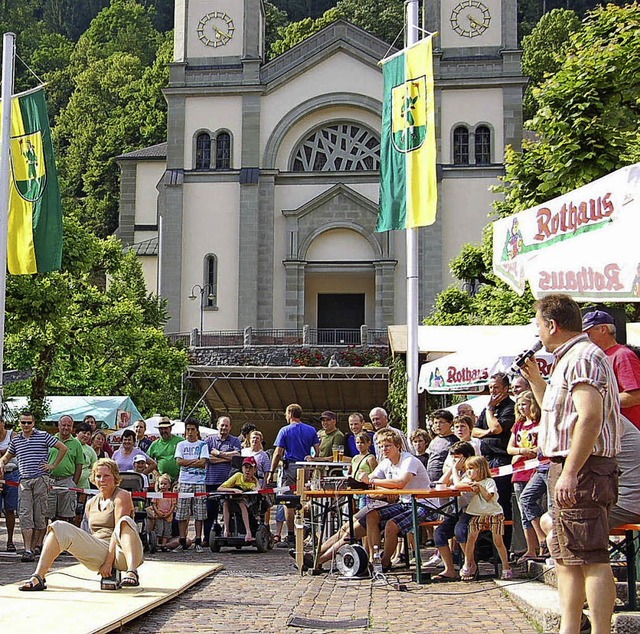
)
(152, 429)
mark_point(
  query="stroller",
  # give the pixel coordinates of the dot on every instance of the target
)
(134, 482)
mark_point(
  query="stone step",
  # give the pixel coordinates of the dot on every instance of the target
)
(540, 602)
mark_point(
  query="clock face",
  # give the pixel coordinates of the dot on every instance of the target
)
(470, 18)
(215, 29)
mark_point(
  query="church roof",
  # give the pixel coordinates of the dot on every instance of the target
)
(147, 247)
(340, 35)
(153, 152)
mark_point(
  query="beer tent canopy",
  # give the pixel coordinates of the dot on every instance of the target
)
(584, 243)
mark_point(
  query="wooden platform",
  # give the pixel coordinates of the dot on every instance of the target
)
(78, 606)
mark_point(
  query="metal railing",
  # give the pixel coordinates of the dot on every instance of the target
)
(307, 336)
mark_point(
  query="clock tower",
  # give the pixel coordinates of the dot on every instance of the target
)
(227, 31)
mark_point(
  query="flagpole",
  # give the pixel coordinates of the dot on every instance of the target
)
(411, 238)
(8, 56)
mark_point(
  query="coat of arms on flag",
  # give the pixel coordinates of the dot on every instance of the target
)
(28, 166)
(409, 114)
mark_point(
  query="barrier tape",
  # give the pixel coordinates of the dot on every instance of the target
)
(509, 469)
(151, 495)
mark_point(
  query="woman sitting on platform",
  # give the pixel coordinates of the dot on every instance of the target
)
(113, 543)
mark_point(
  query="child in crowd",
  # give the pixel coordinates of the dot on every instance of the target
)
(452, 526)
(420, 440)
(523, 446)
(139, 466)
(486, 514)
(241, 482)
(160, 512)
(364, 463)
(462, 428)
(438, 449)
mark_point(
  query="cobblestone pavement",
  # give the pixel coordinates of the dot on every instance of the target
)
(260, 593)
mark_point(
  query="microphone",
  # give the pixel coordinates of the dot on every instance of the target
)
(520, 360)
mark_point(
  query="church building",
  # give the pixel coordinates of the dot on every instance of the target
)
(262, 204)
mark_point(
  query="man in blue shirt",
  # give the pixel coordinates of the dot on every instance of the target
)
(223, 447)
(293, 444)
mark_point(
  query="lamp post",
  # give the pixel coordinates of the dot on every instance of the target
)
(201, 290)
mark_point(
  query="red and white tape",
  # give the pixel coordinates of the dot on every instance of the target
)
(510, 469)
(159, 494)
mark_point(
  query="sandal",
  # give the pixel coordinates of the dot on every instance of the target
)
(130, 579)
(443, 579)
(276, 539)
(467, 575)
(29, 586)
(11, 548)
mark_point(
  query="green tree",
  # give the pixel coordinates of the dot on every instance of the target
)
(300, 9)
(275, 19)
(117, 106)
(70, 17)
(587, 126)
(80, 336)
(384, 18)
(123, 27)
(544, 51)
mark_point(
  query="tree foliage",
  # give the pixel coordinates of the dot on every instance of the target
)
(80, 336)
(544, 50)
(384, 18)
(587, 125)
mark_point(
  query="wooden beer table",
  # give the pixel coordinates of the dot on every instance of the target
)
(448, 508)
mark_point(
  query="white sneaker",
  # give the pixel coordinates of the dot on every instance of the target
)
(551, 562)
(199, 548)
(435, 562)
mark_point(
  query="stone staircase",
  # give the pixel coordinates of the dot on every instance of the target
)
(539, 600)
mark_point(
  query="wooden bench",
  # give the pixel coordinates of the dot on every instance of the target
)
(630, 549)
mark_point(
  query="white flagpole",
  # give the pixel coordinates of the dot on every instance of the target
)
(8, 57)
(412, 272)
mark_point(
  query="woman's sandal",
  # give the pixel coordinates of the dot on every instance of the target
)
(467, 575)
(29, 586)
(130, 579)
(11, 547)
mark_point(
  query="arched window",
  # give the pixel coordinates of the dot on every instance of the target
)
(210, 281)
(342, 147)
(203, 151)
(482, 145)
(223, 151)
(461, 146)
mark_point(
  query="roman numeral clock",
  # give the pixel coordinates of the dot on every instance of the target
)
(215, 29)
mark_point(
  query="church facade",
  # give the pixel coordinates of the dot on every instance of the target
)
(262, 204)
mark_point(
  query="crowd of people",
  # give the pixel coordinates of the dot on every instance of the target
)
(581, 430)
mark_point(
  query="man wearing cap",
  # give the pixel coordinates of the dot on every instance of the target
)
(163, 450)
(330, 437)
(601, 329)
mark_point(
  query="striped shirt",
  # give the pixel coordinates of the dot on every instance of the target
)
(32, 452)
(578, 361)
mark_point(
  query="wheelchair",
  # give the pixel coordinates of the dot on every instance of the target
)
(258, 504)
(134, 482)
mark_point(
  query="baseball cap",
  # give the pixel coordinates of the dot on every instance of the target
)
(249, 460)
(328, 414)
(165, 422)
(596, 318)
(139, 458)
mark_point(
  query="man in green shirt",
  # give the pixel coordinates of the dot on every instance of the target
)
(62, 503)
(330, 436)
(163, 450)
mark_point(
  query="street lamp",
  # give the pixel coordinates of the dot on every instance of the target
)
(201, 290)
